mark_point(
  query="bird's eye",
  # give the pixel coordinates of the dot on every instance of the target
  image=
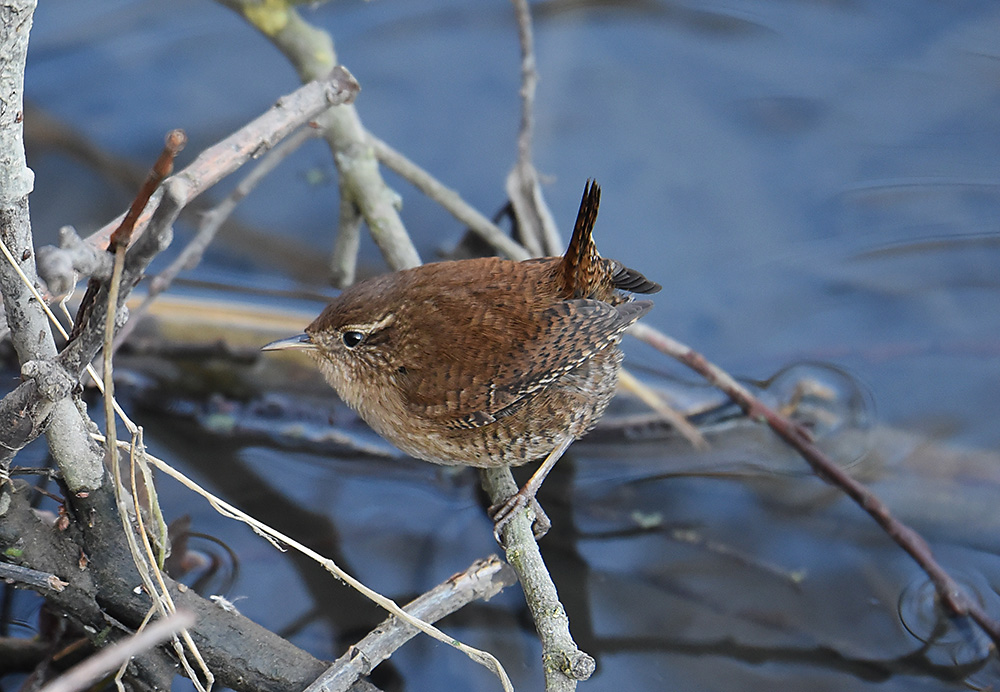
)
(352, 338)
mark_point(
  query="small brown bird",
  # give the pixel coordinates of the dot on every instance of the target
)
(483, 362)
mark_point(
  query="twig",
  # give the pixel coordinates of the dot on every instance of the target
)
(211, 166)
(344, 258)
(651, 398)
(562, 660)
(311, 51)
(483, 580)
(280, 539)
(449, 199)
(118, 243)
(951, 595)
(538, 228)
(100, 664)
(211, 221)
(223, 158)
(121, 236)
(31, 577)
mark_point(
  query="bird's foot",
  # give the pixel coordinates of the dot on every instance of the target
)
(503, 512)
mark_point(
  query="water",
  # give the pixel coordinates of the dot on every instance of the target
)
(809, 182)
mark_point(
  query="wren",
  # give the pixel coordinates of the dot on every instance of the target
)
(483, 362)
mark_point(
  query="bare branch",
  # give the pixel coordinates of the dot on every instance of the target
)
(538, 228)
(311, 51)
(953, 596)
(222, 159)
(344, 258)
(16, 179)
(239, 652)
(29, 326)
(483, 580)
(97, 666)
(31, 577)
(562, 660)
(211, 221)
(449, 199)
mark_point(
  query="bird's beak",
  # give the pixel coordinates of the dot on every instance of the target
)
(300, 341)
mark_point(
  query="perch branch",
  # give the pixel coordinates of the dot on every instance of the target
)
(562, 660)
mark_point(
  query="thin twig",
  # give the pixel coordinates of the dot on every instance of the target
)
(211, 221)
(651, 398)
(31, 577)
(538, 228)
(118, 244)
(209, 167)
(950, 593)
(278, 538)
(449, 199)
(100, 664)
(222, 159)
(483, 580)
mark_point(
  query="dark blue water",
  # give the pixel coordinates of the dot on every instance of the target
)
(808, 181)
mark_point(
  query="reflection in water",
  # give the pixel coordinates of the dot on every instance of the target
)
(829, 401)
(949, 640)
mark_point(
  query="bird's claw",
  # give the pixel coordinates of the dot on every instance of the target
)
(503, 512)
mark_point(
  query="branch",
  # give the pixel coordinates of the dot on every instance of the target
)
(562, 660)
(344, 258)
(311, 51)
(483, 580)
(289, 113)
(16, 179)
(27, 404)
(538, 228)
(26, 316)
(449, 199)
(31, 335)
(211, 221)
(242, 654)
(31, 578)
(97, 666)
(950, 594)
